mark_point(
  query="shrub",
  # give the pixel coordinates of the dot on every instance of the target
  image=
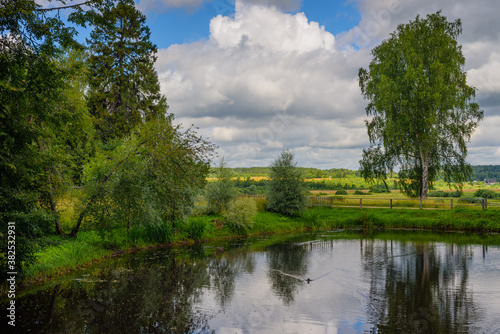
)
(222, 191)
(437, 193)
(440, 193)
(200, 206)
(359, 192)
(261, 204)
(240, 212)
(485, 193)
(341, 192)
(454, 194)
(379, 188)
(286, 193)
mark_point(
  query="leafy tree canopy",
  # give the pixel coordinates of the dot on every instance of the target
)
(422, 113)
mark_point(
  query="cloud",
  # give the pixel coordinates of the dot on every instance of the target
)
(263, 81)
(267, 80)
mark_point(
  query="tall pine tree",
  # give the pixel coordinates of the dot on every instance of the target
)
(124, 87)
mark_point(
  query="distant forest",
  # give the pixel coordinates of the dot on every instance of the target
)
(480, 172)
(332, 179)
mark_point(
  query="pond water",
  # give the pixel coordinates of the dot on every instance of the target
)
(322, 282)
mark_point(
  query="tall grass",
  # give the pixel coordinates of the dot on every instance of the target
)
(195, 229)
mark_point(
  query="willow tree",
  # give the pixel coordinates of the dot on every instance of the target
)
(422, 112)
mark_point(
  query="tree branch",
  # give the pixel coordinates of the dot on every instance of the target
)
(63, 7)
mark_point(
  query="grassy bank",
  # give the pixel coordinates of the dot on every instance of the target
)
(59, 255)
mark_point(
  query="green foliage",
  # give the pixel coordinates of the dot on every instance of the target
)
(220, 192)
(28, 227)
(480, 173)
(240, 213)
(359, 192)
(33, 90)
(286, 193)
(195, 229)
(421, 109)
(262, 204)
(379, 189)
(124, 90)
(33, 119)
(440, 193)
(369, 220)
(161, 233)
(148, 179)
(311, 219)
(341, 192)
(483, 193)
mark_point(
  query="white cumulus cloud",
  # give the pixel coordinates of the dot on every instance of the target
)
(266, 79)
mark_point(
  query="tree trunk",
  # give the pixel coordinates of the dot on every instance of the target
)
(425, 176)
(74, 232)
(53, 206)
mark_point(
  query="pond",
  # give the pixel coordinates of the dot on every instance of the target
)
(322, 282)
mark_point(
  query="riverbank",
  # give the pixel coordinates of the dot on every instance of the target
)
(60, 255)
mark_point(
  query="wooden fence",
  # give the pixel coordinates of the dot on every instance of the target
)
(400, 203)
(403, 203)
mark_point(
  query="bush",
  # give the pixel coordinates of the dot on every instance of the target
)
(222, 191)
(483, 193)
(359, 192)
(437, 193)
(28, 227)
(200, 206)
(341, 192)
(455, 194)
(240, 213)
(261, 204)
(379, 188)
(440, 193)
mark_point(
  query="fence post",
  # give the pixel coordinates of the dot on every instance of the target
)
(331, 202)
(311, 198)
(361, 203)
(420, 202)
(482, 203)
(391, 203)
(486, 204)
(451, 203)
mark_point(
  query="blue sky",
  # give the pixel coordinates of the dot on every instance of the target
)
(258, 76)
(186, 25)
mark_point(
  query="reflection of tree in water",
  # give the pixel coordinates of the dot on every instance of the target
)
(289, 259)
(154, 297)
(224, 270)
(418, 287)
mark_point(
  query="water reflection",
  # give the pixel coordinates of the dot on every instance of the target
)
(419, 287)
(362, 283)
(287, 262)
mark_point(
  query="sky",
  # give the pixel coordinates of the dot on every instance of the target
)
(260, 76)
